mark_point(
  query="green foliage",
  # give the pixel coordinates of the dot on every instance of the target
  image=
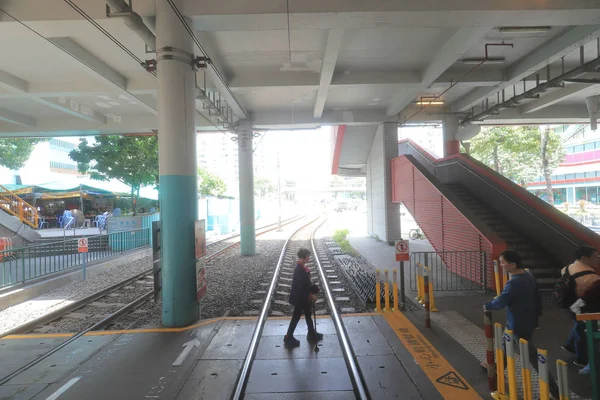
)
(518, 152)
(210, 184)
(340, 238)
(14, 153)
(132, 160)
(263, 187)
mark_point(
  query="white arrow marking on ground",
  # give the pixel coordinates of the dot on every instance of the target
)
(188, 346)
(63, 388)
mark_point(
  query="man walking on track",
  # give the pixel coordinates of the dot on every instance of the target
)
(302, 297)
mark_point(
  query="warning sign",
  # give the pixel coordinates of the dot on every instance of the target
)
(82, 245)
(402, 250)
(451, 379)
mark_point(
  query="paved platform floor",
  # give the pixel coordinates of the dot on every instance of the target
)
(203, 362)
(461, 316)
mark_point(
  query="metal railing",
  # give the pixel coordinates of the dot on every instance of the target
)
(450, 271)
(14, 205)
(26, 263)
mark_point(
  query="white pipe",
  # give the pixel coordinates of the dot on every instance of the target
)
(134, 22)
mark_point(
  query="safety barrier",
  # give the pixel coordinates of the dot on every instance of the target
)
(13, 204)
(592, 321)
(500, 278)
(23, 264)
(5, 247)
(451, 270)
(423, 271)
(500, 355)
(386, 288)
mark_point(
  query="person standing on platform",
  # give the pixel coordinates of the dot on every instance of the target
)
(583, 272)
(302, 297)
(524, 304)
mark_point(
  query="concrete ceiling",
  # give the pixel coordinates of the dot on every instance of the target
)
(352, 62)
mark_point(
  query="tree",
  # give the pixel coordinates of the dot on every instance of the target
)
(519, 153)
(132, 160)
(263, 187)
(14, 153)
(210, 184)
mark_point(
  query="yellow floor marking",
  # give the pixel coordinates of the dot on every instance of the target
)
(159, 330)
(445, 378)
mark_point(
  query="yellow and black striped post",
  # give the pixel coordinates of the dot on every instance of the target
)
(377, 292)
(525, 369)
(543, 373)
(563, 380)
(497, 278)
(511, 365)
(386, 286)
(419, 284)
(500, 393)
(489, 350)
(432, 306)
(395, 289)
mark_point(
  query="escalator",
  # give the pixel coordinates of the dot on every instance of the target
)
(476, 208)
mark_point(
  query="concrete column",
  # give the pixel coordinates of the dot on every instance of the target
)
(451, 144)
(177, 166)
(247, 219)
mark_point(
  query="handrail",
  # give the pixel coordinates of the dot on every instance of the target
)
(356, 377)
(13, 204)
(262, 319)
(456, 160)
(588, 317)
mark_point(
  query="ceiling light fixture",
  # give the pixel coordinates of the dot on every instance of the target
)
(430, 103)
(490, 60)
(524, 29)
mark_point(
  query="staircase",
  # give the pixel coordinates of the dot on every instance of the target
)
(14, 205)
(544, 267)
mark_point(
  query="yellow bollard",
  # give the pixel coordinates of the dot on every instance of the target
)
(419, 288)
(509, 339)
(563, 380)
(543, 374)
(395, 288)
(377, 292)
(386, 286)
(500, 394)
(497, 278)
(525, 370)
(432, 306)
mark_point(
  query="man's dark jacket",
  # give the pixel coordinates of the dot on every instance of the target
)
(301, 287)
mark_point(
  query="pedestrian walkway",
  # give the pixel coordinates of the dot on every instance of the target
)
(461, 315)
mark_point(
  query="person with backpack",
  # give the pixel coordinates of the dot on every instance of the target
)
(302, 297)
(576, 279)
(524, 304)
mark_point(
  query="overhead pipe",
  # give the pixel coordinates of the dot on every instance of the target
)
(534, 93)
(133, 21)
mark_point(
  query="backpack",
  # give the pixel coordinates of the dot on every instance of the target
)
(564, 289)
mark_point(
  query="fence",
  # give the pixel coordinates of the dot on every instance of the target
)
(450, 270)
(23, 264)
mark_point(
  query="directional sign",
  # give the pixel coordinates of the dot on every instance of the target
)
(82, 245)
(187, 347)
(402, 250)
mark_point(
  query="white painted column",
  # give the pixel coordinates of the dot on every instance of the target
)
(451, 143)
(246, 168)
(177, 165)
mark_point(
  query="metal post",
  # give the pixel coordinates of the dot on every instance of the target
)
(525, 369)
(426, 295)
(563, 379)
(509, 341)
(497, 278)
(84, 266)
(395, 288)
(489, 350)
(594, 357)
(402, 292)
(247, 217)
(386, 286)
(377, 292)
(543, 374)
(279, 188)
(501, 384)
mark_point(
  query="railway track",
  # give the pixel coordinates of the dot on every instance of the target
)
(100, 310)
(275, 304)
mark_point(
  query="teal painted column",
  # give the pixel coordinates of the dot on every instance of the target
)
(246, 173)
(177, 166)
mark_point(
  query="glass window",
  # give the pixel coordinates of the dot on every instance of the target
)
(578, 148)
(569, 176)
(580, 175)
(580, 194)
(591, 174)
(590, 146)
(592, 194)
